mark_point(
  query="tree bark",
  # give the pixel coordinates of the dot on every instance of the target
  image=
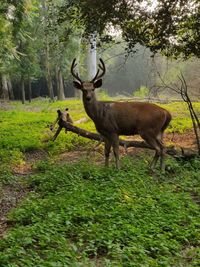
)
(77, 93)
(48, 71)
(23, 89)
(194, 126)
(91, 57)
(47, 53)
(59, 84)
(10, 89)
(29, 89)
(5, 89)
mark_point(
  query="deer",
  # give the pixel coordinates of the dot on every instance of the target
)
(114, 118)
(65, 117)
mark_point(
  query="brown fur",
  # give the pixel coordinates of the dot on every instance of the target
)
(64, 116)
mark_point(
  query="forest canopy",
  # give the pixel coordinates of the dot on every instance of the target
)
(40, 38)
(162, 25)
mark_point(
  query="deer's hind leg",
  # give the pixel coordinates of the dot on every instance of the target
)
(115, 145)
(162, 154)
(107, 149)
(153, 142)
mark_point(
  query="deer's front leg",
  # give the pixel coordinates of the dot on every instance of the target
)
(107, 151)
(115, 144)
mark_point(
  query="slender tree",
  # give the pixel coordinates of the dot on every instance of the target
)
(5, 89)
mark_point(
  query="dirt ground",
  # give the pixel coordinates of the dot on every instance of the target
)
(185, 140)
(11, 195)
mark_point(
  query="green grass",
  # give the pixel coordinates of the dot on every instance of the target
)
(181, 121)
(84, 215)
(25, 128)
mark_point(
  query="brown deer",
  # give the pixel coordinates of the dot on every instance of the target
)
(65, 117)
(123, 118)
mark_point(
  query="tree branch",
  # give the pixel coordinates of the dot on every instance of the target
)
(95, 136)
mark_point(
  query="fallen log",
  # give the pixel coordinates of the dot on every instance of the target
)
(95, 136)
(178, 153)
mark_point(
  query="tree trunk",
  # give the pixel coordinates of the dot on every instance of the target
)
(77, 93)
(59, 83)
(29, 90)
(195, 127)
(48, 71)
(57, 80)
(5, 89)
(23, 90)
(47, 60)
(10, 89)
(91, 57)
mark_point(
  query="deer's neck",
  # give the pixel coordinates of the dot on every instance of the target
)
(93, 108)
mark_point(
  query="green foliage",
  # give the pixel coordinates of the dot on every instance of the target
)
(148, 27)
(142, 92)
(180, 125)
(181, 120)
(81, 214)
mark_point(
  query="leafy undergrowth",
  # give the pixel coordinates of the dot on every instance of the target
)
(85, 215)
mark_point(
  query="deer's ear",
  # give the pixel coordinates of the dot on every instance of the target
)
(98, 83)
(59, 112)
(77, 85)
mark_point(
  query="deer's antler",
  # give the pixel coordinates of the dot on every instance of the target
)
(103, 69)
(72, 71)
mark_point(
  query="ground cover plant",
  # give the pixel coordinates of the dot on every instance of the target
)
(83, 214)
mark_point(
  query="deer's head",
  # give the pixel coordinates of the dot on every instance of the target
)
(88, 87)
(64, 116)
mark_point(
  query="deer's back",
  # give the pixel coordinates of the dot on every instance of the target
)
(128, 118)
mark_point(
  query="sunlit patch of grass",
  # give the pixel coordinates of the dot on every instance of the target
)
(179, 125)
(181, 120)
(23, 131)
(180, 109)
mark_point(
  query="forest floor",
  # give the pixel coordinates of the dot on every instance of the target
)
(12, 194)
(29, 163)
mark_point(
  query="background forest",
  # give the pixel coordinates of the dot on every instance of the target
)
(38, 44)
